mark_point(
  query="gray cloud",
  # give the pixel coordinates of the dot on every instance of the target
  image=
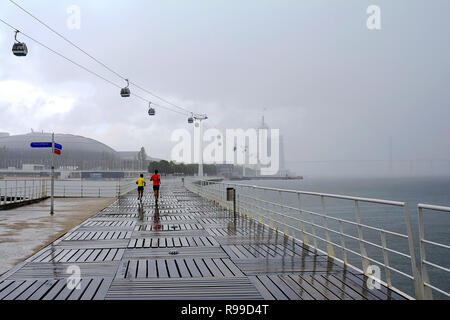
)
(335, 89)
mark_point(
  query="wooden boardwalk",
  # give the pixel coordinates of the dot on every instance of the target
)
(185, 249)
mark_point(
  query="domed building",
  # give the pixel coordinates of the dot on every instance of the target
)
(79, 153)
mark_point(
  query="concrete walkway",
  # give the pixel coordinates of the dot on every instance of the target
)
(185, 249)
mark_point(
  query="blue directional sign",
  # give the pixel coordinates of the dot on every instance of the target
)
(41, 144)
(45, 145)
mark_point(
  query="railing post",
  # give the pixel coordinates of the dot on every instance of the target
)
(427, 292)
(15, 194)
(344, 250)
(283, 215)
(305, 239)
(25, 190)
(417, 282)
(313, 229)
(386, 259)
(330, 248)
(6, 191)
(362, 248)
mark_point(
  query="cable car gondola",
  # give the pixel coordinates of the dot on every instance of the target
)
(125, 92)
(190, 120)
(19, 48)
(151, 111)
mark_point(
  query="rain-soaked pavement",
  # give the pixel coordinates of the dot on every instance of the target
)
(187, 248)
(25, 230)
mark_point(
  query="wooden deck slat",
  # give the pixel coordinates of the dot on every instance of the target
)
(152, 269)
(274, 290)
(193, 269)
(184, 272)
(162, 269)
(18, 290)
(30, 290)
(173, 271)
(142, 269)
(38, 294)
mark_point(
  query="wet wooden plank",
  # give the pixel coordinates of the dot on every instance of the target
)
(272, 288)
(92, 288)
(18, 290)
(287, 291)
(38, 294)
(173, 271)
(131, 271)
(103, 289)
(184, 272)
(213, 268)
(142, 269)
(202, 267)
(345, 287)
(162, 269)
(111, 254)
(223, 268)
(75, 257)
(193, 268)
(152, 270)
(55, 290)
(10, 288)
(314, 284)
(384, 293)
(301, 292)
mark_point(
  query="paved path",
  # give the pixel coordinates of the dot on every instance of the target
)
(186, 249)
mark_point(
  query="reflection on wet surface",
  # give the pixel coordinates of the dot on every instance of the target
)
(25, 230)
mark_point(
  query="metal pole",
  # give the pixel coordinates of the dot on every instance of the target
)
(200, 158)
(52, 205)
(234, 204)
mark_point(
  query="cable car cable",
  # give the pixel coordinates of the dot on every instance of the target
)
(95, 59)
(85, 68)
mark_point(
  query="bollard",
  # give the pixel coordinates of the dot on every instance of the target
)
(231, 196)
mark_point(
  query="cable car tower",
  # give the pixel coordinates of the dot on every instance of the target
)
(199, 118)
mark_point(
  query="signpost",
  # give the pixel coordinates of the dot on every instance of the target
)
(56, 148)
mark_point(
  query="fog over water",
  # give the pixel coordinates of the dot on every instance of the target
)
(348, 100)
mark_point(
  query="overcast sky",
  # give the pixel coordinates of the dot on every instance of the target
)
(336, 90)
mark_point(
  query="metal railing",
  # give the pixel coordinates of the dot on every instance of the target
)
(424, 263)
(92, 189)
(16, 191)
(283, 210)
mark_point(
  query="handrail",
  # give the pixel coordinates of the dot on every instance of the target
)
(19, 190)
(295, 221)
(426, 283)
(328, 195)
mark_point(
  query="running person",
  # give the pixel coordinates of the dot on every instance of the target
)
(141, 183)
(156, 178)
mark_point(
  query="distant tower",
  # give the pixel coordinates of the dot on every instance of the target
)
(282, 169)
